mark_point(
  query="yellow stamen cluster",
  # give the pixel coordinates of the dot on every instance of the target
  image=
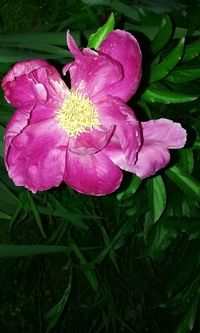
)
(77, 114)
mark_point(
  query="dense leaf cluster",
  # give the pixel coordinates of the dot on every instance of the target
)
(128, 262)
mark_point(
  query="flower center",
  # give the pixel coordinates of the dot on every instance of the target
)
(77, 114)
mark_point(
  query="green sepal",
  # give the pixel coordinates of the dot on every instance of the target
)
(97, 38)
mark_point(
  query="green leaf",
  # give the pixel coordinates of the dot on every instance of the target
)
(148, 30)
(4, 216)
(2, 132)
(9, 251)
(170, 61)
(159, 238)
(54, 50)
(184, 224)
(36, 214)
(134, 185)
(186, 325)
(97, 38)
(107, 244)
(186, 264)
(88, 269)
(52, 38)
(163, 36)
(8, 201)
(11, 56)
(52, 316)
(158, 93)
(117, 5)
(182, 178)
(68, 215)
(183, 74)
(156, 196)
(187, 159)
(191, 51)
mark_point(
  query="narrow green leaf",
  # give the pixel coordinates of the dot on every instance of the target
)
(52, 38)
(88, 269)
(9, 251)
(97, 38)
(191, 51)
(187, 159)
(11, 56)
(117, 5)
(52, 316)
(184, 180)
(184, 224)
(134, 185)
(112, 254)
(8, 201)
(186, 325)
(159, 238)
(196, 144)
(158, 93)
(156, 196)
(163, 36)
(2, 132)
(4, 216)
(186, 265)
(170, 61)
(147, 30)
(183, 74)
(54, 50)
(67, 214)
(36, 214)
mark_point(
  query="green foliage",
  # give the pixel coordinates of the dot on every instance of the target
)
(159, 93)
(129, 261)
(161, 70)
(163, 36)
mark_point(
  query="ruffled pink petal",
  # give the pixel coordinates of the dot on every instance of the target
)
(122, 46)
(158, 136)
(113, 111)
(31, 82)
(92, 73)
(164, 131)
(92, 174)
(91, 142)
(37, 156)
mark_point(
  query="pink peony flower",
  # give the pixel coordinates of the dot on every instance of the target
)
(85, 135)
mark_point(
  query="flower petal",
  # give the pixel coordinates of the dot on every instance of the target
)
(158, 136)
(113, 111)
(165, 131)
(92, 174)
(31, 82)
(152, 157)
(36, 157)
(91, 142)
(122, 46)
(73, 46)
(92, 73)
(17, 123)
